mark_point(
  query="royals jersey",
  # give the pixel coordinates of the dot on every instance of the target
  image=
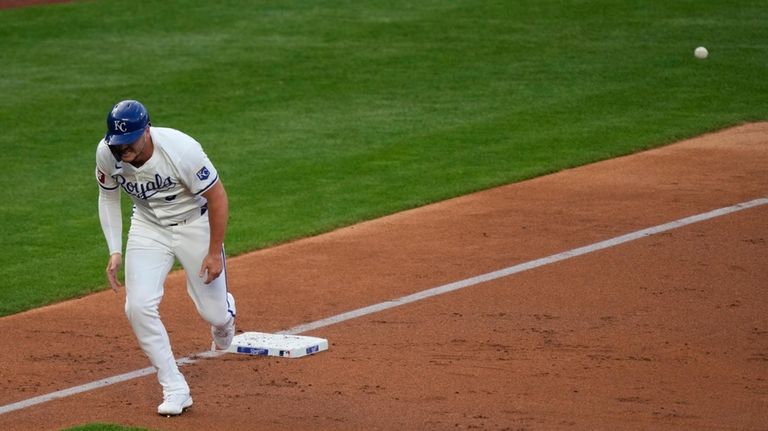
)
(167, 188)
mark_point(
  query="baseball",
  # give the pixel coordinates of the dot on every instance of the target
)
(701, 52)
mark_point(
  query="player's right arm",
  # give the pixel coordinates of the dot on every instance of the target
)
(112, 226)
(110, 215)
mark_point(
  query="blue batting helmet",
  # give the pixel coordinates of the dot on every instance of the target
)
(126, 122)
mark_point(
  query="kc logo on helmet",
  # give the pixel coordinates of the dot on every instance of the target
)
(120, 125)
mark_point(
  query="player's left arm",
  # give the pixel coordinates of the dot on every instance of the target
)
(218, 215)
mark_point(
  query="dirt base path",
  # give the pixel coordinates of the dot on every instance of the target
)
(665, 332)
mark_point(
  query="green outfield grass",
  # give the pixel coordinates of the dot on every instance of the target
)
(321, 114)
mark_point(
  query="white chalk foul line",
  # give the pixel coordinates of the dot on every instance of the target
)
(418, 296)
(406, 299)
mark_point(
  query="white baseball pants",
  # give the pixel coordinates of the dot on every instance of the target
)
(149, 257)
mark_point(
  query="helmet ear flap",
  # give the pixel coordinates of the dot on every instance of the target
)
(115, 150)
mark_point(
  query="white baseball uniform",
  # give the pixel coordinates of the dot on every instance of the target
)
(169, 220)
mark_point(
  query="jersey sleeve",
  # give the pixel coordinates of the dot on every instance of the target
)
(196, 170)
(104, 167)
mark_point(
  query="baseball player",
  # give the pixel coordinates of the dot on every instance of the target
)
(180, 210)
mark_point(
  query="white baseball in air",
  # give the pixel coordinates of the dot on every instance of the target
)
(701, 52)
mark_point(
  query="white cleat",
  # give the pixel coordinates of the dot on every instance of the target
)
(174, 404)
(222, 336)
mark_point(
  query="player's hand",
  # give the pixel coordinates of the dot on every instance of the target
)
(213, 265)
(113, 266)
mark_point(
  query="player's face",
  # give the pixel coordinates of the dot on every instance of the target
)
(131, 153)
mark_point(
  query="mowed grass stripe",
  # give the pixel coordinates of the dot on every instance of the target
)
(326, 113)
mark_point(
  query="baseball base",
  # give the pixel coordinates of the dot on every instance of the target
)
(284, 346)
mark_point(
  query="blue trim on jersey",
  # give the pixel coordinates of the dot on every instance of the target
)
(107, 188)
(226, 282)
(216, 178)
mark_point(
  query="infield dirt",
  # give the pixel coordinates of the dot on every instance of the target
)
(666, 332)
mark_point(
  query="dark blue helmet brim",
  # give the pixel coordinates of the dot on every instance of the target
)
(123, 139)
